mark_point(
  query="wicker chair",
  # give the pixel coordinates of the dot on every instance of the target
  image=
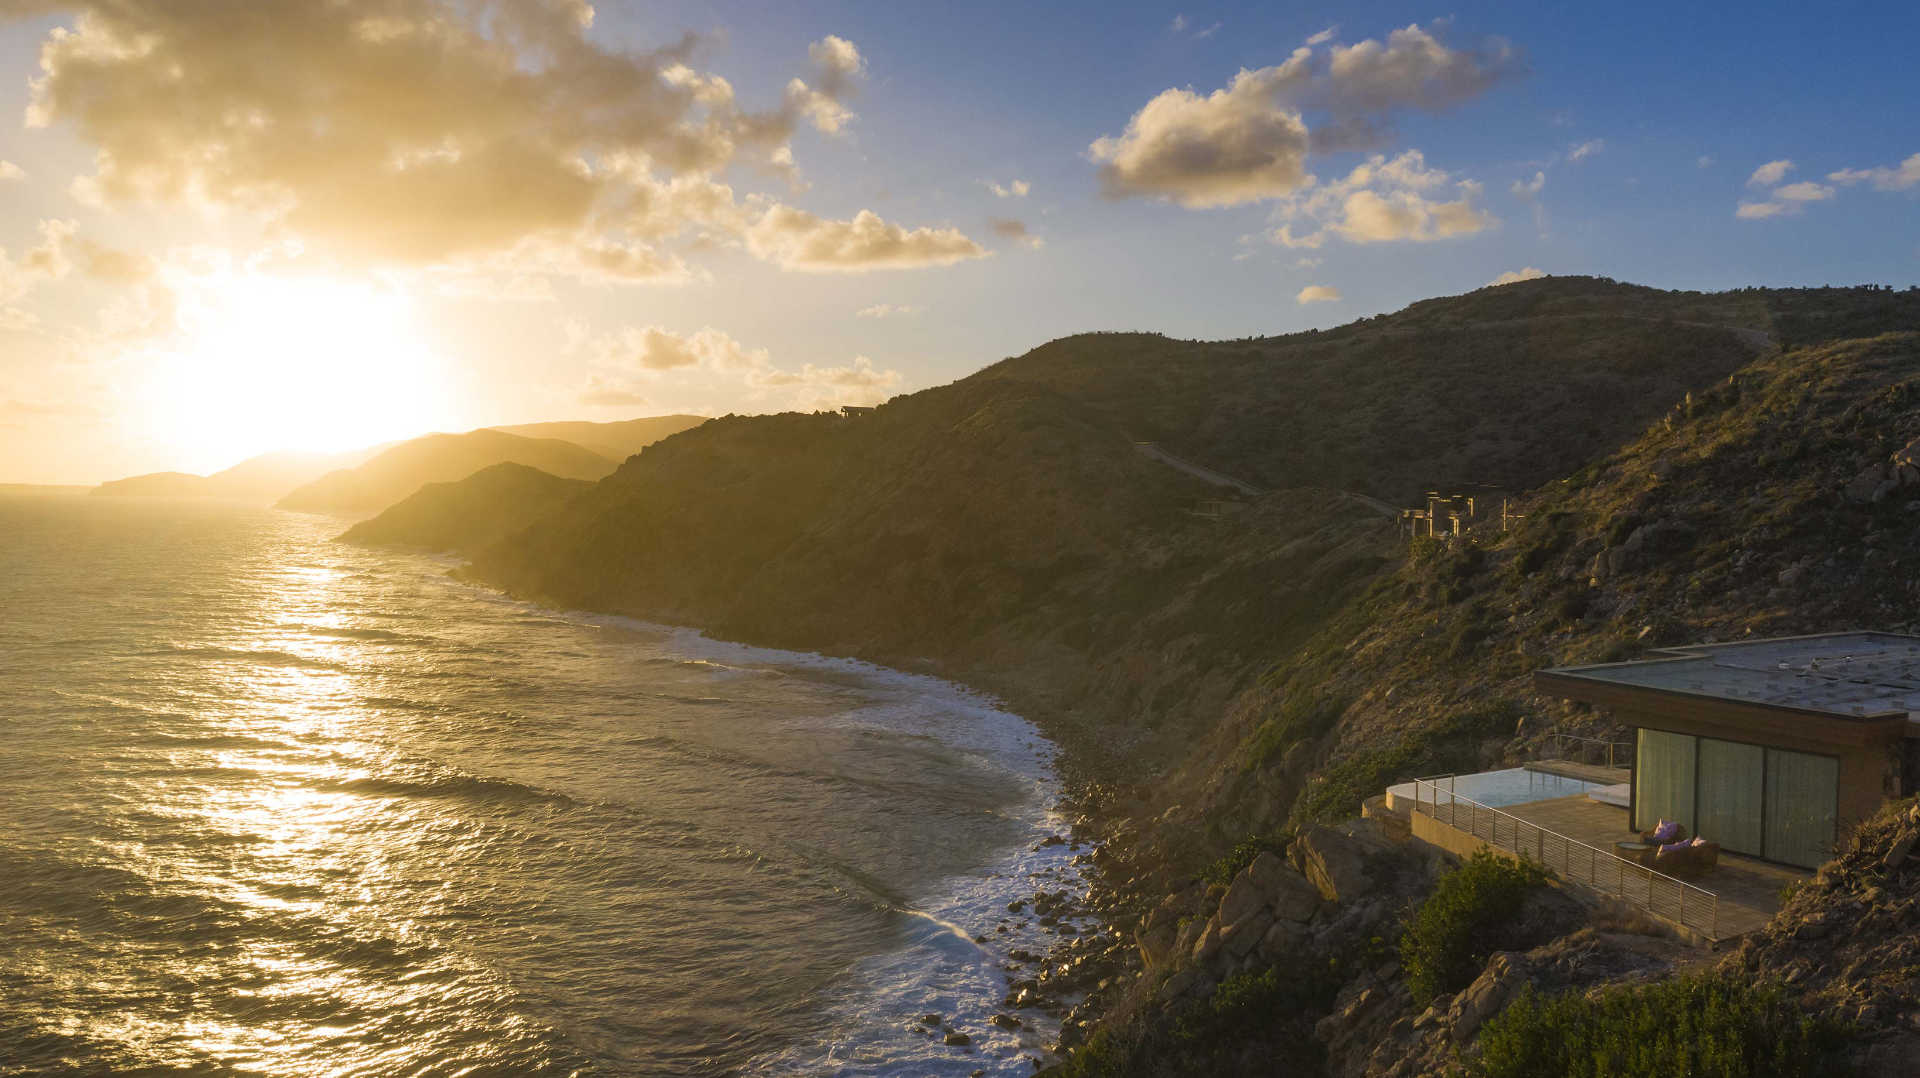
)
(1691, 860)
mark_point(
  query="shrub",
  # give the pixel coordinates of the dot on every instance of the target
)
(1704, 1025)
(1304, 717)
(1463, 921)
(1227, 867)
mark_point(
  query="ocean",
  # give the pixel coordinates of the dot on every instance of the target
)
(274, 805)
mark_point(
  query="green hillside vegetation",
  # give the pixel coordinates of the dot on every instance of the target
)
(616, 440)
(437, 458)
(470, 514)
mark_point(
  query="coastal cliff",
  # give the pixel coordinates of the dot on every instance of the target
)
(1234, 669)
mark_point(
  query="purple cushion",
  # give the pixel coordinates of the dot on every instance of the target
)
(1675, 847)
(1666, 831)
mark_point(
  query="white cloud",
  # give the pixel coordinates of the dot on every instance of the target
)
(1770, 173)
(1586, 149)
(635, 364)
(1308, 261)
(424, 134)
(1529, 273)
(837, 62)
(1704, 161)
(1014, 189)
(1900, 177)
(1530, 188)
(1805, 191)
(796, 239)
(1249, 141)
(1758, 210)
(1233, 146)
(1317, 293)
(1324, 36)
(1381, 201)
(888, 310)
(10, 171)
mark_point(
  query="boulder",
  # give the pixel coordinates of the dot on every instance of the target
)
(1335, 863)
(1283, 939)
(1241, 937)
(1503, 978)
(1209, 941)
(1242, 898)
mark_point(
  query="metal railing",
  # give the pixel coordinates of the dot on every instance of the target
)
(1589, 747)
(1576, 862)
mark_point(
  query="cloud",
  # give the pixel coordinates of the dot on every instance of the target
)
(10, 171)
(1317, 293)
(1704, 161)
(837, 62)
(1233, 146)
(1249, 141)
(1530, 273)
(49, 260)
(1770, 173)
(1806, 191)
(633, 362)
(426, 133)
(1901, 177)
(1759, 210)
(1586, 149)
(888, 310)
(1324, 36)
(1381, 201)
(1529, 188)
(1015, 189)
(796, 239)
(1009, 229)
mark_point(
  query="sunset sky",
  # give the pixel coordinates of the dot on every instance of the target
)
(229, 227)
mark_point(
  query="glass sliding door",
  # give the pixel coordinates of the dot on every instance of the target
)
(1732, 788)
(1663, 778)
(1802, 800)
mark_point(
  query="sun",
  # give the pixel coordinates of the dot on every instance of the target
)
(264, 363)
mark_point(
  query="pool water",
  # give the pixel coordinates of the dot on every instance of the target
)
(1495, 789)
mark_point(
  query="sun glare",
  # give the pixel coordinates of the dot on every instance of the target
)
(269, 363)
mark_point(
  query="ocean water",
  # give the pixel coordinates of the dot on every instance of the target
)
(272, 805)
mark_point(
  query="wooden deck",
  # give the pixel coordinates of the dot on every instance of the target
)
(1748, 890)
(1573, 769)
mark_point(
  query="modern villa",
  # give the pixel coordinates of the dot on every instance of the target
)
(1770, 748)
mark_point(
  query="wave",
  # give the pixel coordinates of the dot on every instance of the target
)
(449, 785)
(256, 656)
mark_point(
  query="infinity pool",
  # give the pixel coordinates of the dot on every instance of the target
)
(1511, 786)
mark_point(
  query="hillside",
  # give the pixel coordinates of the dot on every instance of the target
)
(1235, 669)
(396, 472)
(616, 440)
(470, 514)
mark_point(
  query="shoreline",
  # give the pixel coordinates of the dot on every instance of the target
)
(1056, 962)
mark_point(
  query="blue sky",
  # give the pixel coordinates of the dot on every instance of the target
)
(1634, 133)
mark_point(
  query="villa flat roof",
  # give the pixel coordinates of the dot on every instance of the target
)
(1858, 675)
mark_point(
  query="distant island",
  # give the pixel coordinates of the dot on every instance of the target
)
(363, 481)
